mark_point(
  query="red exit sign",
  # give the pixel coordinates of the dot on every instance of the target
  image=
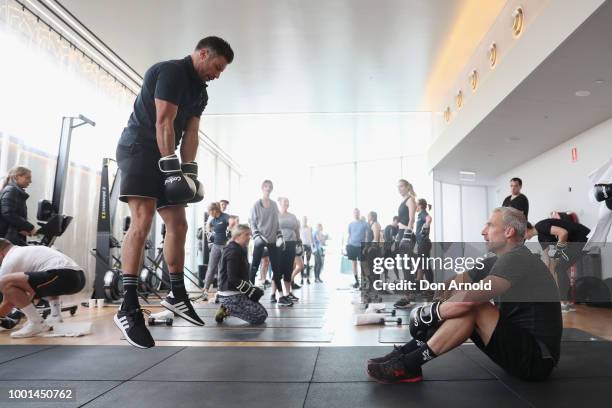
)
(574, 155)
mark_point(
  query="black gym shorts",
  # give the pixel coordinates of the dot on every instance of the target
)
(353, 252)
(56, 282)
(140, 174)
(517, 351)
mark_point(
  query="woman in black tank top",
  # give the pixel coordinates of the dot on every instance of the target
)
(405, 237)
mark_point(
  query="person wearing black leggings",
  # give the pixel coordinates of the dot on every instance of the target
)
(290, 228)
(267, 234)
(306, 237)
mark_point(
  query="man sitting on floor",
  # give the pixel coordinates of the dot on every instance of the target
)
(237, 295)
(35, 272)
(521, 332)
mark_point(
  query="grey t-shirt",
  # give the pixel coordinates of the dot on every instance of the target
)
(532, 302)
(289, 226)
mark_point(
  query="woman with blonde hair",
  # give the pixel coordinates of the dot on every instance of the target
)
(14, 224)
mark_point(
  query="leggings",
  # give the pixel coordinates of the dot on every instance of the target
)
(319, 259)
(244, 308)
(287, 258)
(306, 256)
(214, 261)
(274, 254)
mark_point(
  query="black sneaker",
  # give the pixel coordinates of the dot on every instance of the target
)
(285, 301)
(402, 304)
(273, 298)
(132, 325)
(318, 280)
(183, 308)
(395, 353)
(295, 286)
(356, 285)
(394, 371)
(292, 297)
(308, 281)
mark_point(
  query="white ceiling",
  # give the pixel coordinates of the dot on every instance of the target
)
(543, 111)
(303, 56)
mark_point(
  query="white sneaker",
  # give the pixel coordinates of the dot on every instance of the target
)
(30, 330)
(51, 320)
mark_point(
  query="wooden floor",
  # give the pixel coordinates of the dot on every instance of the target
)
(338, 319)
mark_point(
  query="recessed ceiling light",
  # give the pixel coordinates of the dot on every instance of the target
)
(459, 99)
(517, 21)
(512, 139)
(493, 55)
(447, 114)
(599, 81)
(583, 93)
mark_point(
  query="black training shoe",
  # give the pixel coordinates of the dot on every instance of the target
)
(295, 286)
(394, 371)
(273, 298)
(395, 353)
(318, 280)
(292, 297)
(356, 285)
(402, 304)
(183, 308)
(285, 301)
(132, 325)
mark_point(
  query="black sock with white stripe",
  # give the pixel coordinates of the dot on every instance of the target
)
(130, 296)
(177, 284)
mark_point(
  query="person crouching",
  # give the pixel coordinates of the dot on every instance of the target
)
(237, 295)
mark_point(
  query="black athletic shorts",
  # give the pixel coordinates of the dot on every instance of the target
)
(56, 282)
(517, 351)
(353, 252)
(140, 174)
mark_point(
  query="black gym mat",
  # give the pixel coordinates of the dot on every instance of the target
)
(10, 352)
(570, 334)
(83, 392)
(195, 333)
(259, 364)
(394, 334)
(135, 394)
(276, 312)
(454, 394)
(578, 360)
(112, 363)
(348, 364)
(234, 322)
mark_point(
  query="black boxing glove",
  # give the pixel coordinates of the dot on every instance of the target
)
(7, 323)
(423, 319)
(251, 291)
(190, 170)
(178, 188)
(602, 192)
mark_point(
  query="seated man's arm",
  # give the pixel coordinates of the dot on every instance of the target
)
(463, 301)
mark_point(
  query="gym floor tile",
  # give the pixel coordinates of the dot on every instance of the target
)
(262, 364)
(564, 392)
(345, 364)
(9, 352)
(84, 391)
(578, 360)
(456, 394)
(135, 394)
(255, 334)
(85, 363)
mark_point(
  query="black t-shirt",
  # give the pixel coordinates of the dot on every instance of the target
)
(390, 233)
(520, 202)
(575, 232)
(174, 81)
(532, 302)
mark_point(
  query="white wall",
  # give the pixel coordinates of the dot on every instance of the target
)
(552, 182)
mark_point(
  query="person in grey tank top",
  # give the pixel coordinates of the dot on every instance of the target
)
(290, 228)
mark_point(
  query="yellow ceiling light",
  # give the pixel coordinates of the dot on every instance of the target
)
(518, 17)
(493, 55)
(473, 78)
(447, 114)
(459, 99)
